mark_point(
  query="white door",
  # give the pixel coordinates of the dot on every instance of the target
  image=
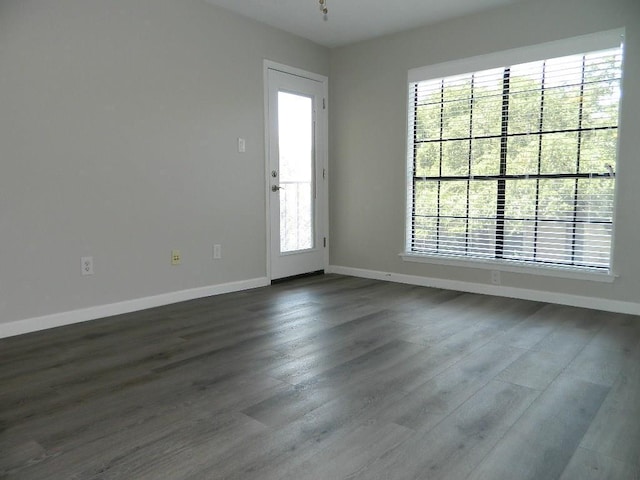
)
(295, 174)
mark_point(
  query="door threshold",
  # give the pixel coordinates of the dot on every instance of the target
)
(296, 277)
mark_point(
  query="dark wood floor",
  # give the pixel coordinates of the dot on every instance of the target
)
(327, 377)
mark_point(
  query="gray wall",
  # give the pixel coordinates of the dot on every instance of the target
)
(368, 122)
(118, 128)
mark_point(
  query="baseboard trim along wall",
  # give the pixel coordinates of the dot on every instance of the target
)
(92, 313)
(28, 325)
(500, 291)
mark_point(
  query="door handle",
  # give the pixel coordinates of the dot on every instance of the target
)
(275, 188)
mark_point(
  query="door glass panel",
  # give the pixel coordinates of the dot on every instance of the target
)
(295, 141)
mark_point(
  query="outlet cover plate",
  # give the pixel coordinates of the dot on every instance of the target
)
(86, 265)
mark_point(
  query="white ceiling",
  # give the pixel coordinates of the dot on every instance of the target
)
(350, 21)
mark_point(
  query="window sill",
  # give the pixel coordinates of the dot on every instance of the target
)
(513, 266)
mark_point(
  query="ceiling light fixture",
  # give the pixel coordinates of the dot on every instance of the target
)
(323, 6)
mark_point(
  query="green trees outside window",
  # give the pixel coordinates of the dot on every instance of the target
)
(517, 163)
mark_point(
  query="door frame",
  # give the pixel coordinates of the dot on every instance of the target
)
(322, 157)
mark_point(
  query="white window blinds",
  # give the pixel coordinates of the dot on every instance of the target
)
(517, 163)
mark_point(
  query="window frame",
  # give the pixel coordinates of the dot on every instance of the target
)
(572, 46)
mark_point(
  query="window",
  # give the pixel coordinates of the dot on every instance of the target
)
(516, 163)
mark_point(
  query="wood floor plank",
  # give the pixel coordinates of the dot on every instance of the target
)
(615, 431)
(590, 465)
(285, 447)
(339, 334)
(597, 365)
(542, 442)
(346, 456)
(537, 326)
(534, 369)
(19, 455)
(300, 369)
(455, 446)
(89, 420)
(130, 453)
(309, 395)
(326, 377)
(426, 406)
(575, 330)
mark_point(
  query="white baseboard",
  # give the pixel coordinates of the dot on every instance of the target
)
(501, 291)
(76, 316)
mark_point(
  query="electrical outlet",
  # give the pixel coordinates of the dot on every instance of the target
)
(176, 258)
(495, 277)
(217, 252)
(86, 265)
